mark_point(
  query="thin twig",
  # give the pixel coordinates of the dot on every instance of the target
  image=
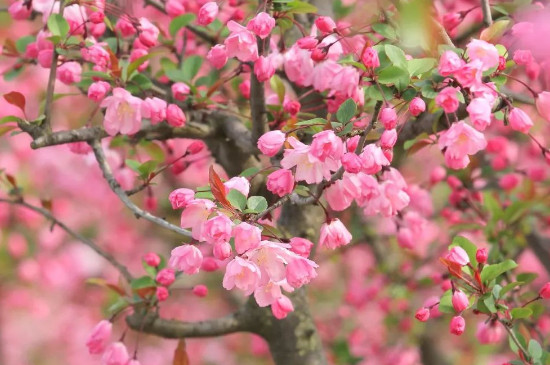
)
(48, 215)
(117, 189)
(486, 9)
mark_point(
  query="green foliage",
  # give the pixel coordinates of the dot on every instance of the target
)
(180, 22)
(256, 204)
(491, 272)
(346, 111)
(237, 199)
(58, 26)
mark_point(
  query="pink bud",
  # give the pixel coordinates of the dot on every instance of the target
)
(20, 10)
(271, 142)
(457, 326)
(210, 264)
(301, 246)
(162, 293)
(174, 8)
(281, 307)
(261, 24)
(388, 138)
(175, 116)
(166, 277)
(417, 106)
(244, 88)
(325, 24)
(544, 292)
(99, 337)
(543, 104)
(200, 290)
(370, 58)
(180, 91)
(458, 256)
(180, 197)
(98, 90)
(152, 259)
(69, 73)
(519, 120)
(334, 234)
(115, 354)
(195, 147)
(125, 28)
(422, 314)
(263, 69)
(217, 56)
(208, 13)
(454, 182)
(460, 301)
(97, 17)
(509, 181)
(319, 54)
(481, 255)
(292, 107)
(523, 57)
(388, 117)
(437, 174)
(352, 162)
(280, 182)
(307, 43)
(186, 258)
(148, 33)
(222, 250)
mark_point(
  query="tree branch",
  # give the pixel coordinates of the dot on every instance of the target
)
(117, 189)
(48, 215)
(171, 328)
(486, 9)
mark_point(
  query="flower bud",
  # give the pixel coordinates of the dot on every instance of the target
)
(543, 104)
(222, 250)
(481, 255)
(166, 277)
(281, 307)
(545, 291)
(208, 13)
(417, 106)
(271, 142)
(200, 291)
(325, 24)
(460, 301)
(352, 162)
(519, 120)
(458, 256)
(422, 314)
(457, 326)
(151, 259)
(388, 117)
(162, 293)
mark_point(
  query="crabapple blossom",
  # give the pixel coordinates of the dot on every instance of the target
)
(217, 229)
(460, 301)
(243, 274)
(97, 342)
(334, 234)
(271, 142)
(481, 255)
(217, 56)
(208, 13)
(281, 307)
(388, 117)
(263, 69)
(241, 43)
(325, 24)
(485, 52)
(200, 290)
(479, 111)
(162, 293)
(261, 24)
(458, 256)
(175, 116)
(98, 90)
(459, 142)
(543, 104)
(301, 246)
(280, 182)
(239, 183)
(180, 197)
(151, 259)
(544, 292)
(448, 99)
(115, 354)
(186, 258)
(166, 277)
(370, 58)
(422, 314)
(247, 237)
(417, 106)
(180, 91)
(519, 120)
(449, 63)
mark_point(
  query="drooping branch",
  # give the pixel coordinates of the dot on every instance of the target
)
(117, 189)
(48, 215)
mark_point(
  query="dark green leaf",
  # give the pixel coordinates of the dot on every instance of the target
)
(491, 272)
(346, 111)
(179, 22)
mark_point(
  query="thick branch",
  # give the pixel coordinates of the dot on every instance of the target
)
(257, 101)
(541, 247)
(117, 189)
(170, 328)
(48, 215)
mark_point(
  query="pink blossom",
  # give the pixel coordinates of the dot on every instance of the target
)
(148, 33)
(97, 341)
(281, 307)
(388, 117)
(261, 24)
(19, 10)
(308, 167)
(343, 192)
(267, 294)
(244, 88)
(69, 72)
(123, 112)
(437, 174)
(451, 20)
(263, 69)
(405, 238)
(519, 120)
(301, 246)
(483, 51)
(299, 66)
(280, 182)
(417, 106)
(470, 74)
(325, 24)
(115, 354)
(334, 234)
(98, 90)
(457, 325)
(479, 111)
(460, 141)
(392, 196)
(162, 293)
(217, 56)
(543, 104)
(300, 271)
(125, 28)
(370, 58)
(174, 8)
(154, 109)
(97, 55)
(175, 116)
(200, 290)
(217, 229)
(186, 258)
(180, 91)
(509, 181)
(239, 183)
(448, 99)
(207, 13)
(351, 162)
(307, 42)
(44, 58)
(242, 274)
(326, 144)
(460, 301)
(271, 142)
(491, 332)
(221, 250)
(449, 63)
(388, 139)
(458, 256)
(373, 159)
(195, 215)
(151, 259)
(241, 43)
(523, 57)
(166, 277)
(180, 197)
(247, 237)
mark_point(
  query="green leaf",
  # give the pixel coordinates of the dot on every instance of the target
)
(204, 195)
(519, 313)
(237, 199)
(278, 86)
(346, 111)
(509, 287)
(302, 190)
(384, 30)
(99, 74)
(147, 168)
(534, 349)
(527, 277)
(445, 303)
(142, 282)
(181, 21)
(489, 302)
(257, 204)
(468, 246)
(408, 144)
(142, 81)
(373, 92)
(300, 7)
(312, 121)
(396, 55)
(419, 66)
(249, 172)
(491, 272)
(151, 271)
(58, 26)
(10, 118)
(22, 43)
(394, 75)
(191, 66)
(138, 62)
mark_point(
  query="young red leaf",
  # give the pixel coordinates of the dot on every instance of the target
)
(16, 98)
(180, 355)
(218, 188)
